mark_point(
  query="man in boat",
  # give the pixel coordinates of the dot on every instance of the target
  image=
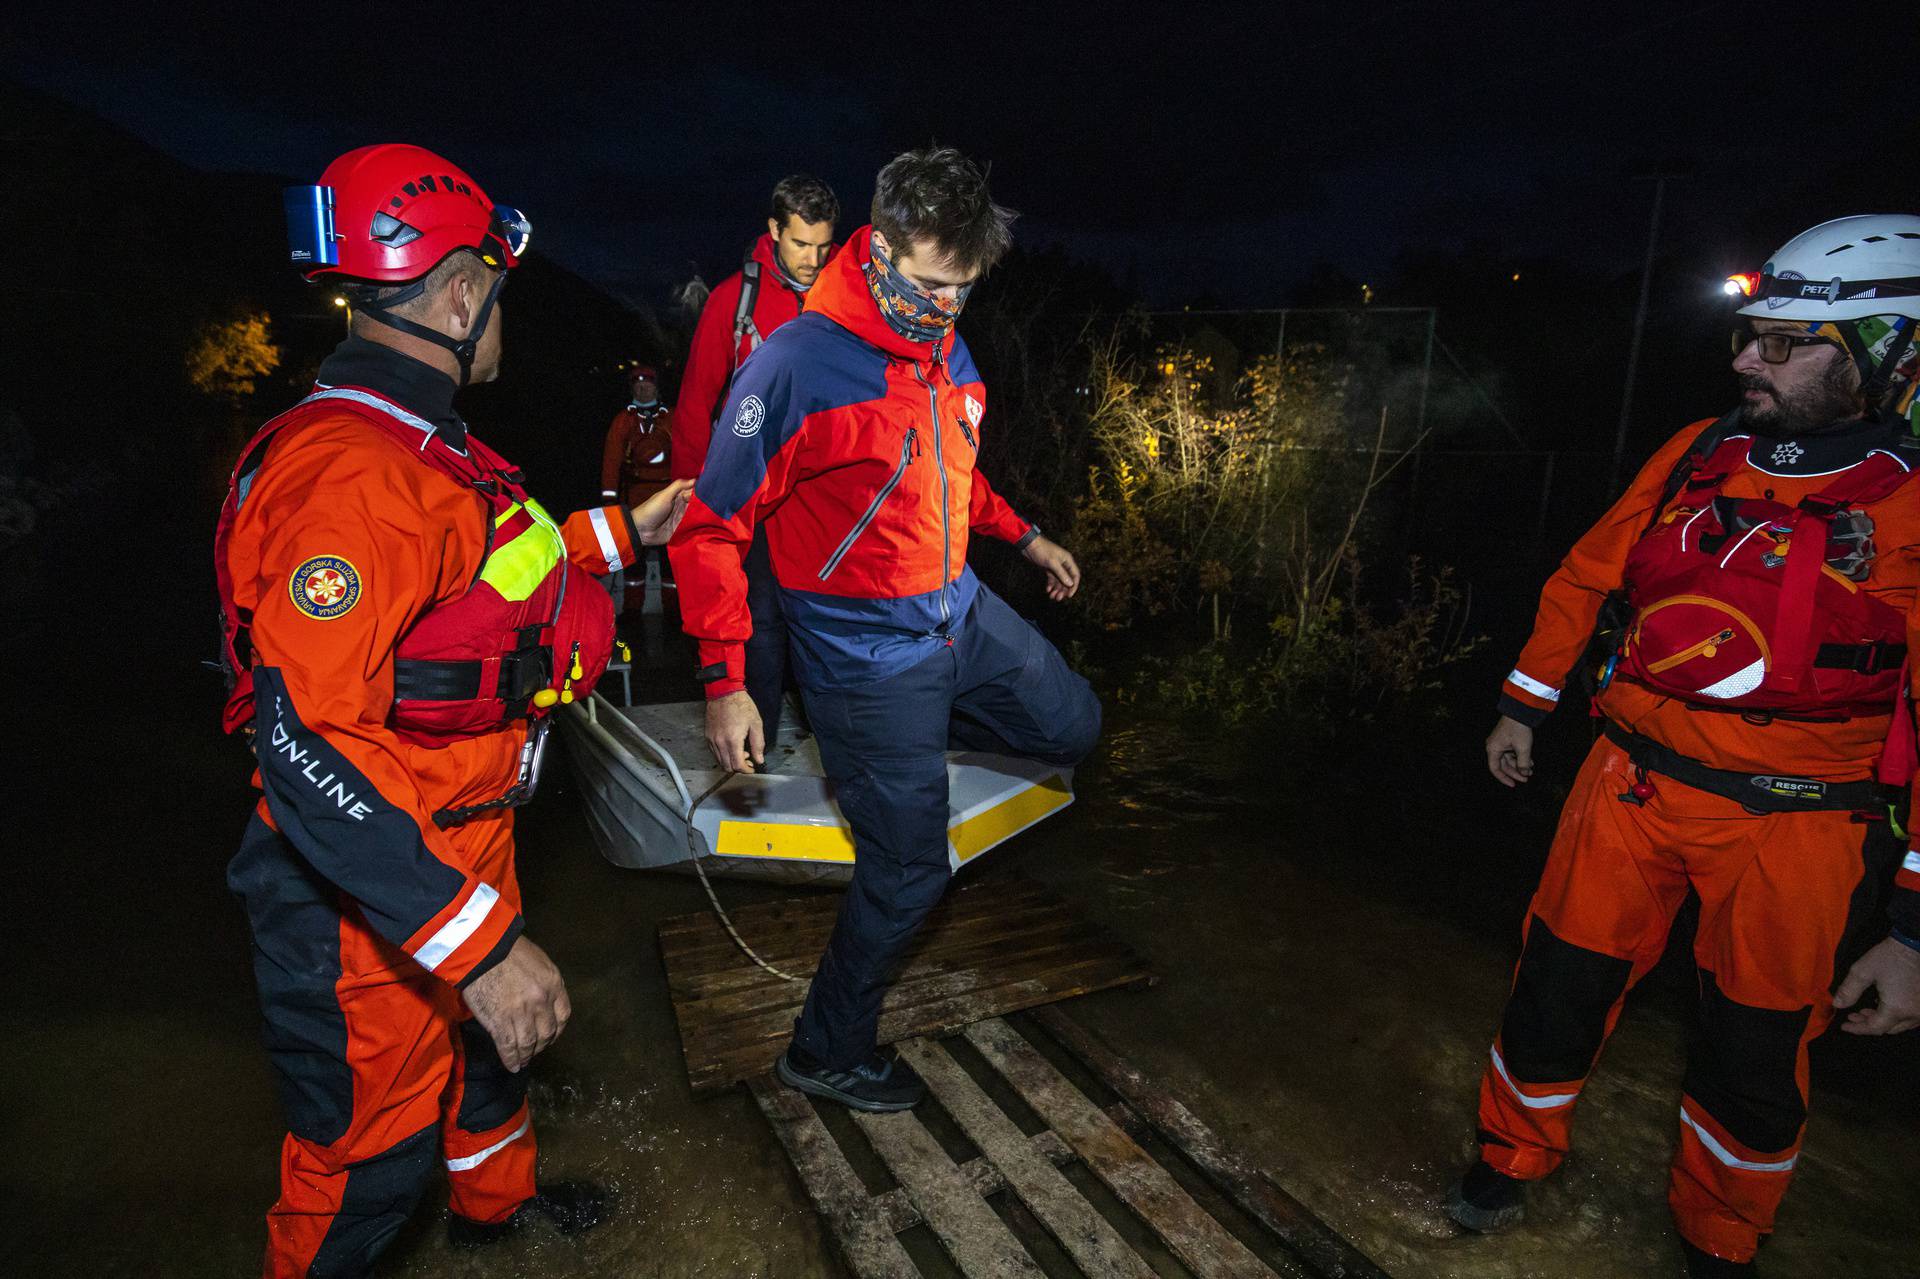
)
(768, 290)
(633, 464)
(399, 616)
(1752, 603)
(859, 423)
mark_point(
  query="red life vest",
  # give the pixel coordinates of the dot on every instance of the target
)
(531, 629)
(1748, 604)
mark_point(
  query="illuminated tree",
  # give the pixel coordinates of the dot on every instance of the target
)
(227, 357)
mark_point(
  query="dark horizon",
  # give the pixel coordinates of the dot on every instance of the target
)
(1228, 160)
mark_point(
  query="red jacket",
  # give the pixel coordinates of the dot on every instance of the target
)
(633, 466)
(716, 353)
(858, 447)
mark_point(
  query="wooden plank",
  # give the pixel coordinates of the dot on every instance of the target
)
(971, 1232)
(710, 1068)
(1095, 1246)
(683, 933)
(715, 950)
(869, 1246)
(1206, 1246)
(1315, 1242)
(908, 990)
(1022, 952)
(900, 1214)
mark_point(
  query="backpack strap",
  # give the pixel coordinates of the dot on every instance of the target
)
(743, 325)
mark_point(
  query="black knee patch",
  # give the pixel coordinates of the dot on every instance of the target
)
(295, 920)
(381, 1194)
(1741, 1069)
(1557, 1016)
(492, 1093)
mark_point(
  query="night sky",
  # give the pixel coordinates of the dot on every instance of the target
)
(1195, 151)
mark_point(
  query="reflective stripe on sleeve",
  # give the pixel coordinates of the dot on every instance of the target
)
(1527, 683)
(1531, 1103)
(468, 1162)
(1726, 1156)
(1911, 862)
(454, 933)
(608, 547)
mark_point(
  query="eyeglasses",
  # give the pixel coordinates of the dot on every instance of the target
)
(1775, 347)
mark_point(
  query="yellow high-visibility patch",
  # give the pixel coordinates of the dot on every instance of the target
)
(517, 568)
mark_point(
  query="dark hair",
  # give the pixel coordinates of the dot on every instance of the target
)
(809, 197)
(938, 198)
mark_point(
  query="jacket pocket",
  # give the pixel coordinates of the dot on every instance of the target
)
(873, 507)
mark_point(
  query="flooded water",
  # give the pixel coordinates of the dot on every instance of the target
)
(1334, 927)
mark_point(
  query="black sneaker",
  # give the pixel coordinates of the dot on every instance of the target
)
(881, 1083)
(573, 1207)
(1487, 1200)
(1704, 1265)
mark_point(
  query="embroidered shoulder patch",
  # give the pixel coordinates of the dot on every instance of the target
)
(325, 587)
(746, 423)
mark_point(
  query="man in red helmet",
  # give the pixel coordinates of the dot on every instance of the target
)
(399, 614)
(769, 290)
(633, 467)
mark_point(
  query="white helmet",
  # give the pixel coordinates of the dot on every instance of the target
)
(1845, 269)
(1856, 282)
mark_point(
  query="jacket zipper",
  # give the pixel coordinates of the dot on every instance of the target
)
(873, 508)
(946, 537)
(972, 443)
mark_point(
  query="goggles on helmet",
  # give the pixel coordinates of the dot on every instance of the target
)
(512, 229)
(1776, 347)
(311, 241)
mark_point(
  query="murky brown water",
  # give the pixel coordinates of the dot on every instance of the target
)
(1335, 951)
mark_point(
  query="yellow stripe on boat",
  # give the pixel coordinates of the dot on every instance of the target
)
(1008, 818)
(785, 839)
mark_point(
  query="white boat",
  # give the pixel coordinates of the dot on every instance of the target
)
(655, 800)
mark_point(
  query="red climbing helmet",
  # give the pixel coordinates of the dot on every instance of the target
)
(389, 213)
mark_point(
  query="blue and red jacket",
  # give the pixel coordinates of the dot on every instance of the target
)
(856, 447)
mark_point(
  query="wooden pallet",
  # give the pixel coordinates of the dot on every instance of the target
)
(1276, 1235)
(992, 947)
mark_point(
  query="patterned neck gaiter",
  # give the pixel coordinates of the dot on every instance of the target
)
(913, 312)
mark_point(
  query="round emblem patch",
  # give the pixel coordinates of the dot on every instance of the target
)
(746, 423)
(325, 587)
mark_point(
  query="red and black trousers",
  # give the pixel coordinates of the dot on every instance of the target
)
(383, 1076)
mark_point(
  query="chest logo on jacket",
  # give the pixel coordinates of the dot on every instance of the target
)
(746, 423)
(325, 587)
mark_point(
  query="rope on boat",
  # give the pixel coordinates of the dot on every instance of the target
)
(701, 870)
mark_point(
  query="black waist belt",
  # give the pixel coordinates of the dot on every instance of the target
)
(1756, 792)
(522, 674)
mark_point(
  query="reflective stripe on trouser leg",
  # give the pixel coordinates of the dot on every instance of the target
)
(1598, 923)
(1771, 924)
(486, 1131)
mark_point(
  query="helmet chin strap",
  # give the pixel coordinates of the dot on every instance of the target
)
(463, 350)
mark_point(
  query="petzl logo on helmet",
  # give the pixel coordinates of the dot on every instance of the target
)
(746, 423)
(324, 587)
(1775, 303)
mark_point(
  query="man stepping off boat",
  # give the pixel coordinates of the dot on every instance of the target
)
(852, 434)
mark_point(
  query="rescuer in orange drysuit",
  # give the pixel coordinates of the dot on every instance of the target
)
(1755, 594)
(397, 610)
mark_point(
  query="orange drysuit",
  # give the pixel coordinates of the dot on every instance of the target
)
(368, 917)
(1782, 895)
